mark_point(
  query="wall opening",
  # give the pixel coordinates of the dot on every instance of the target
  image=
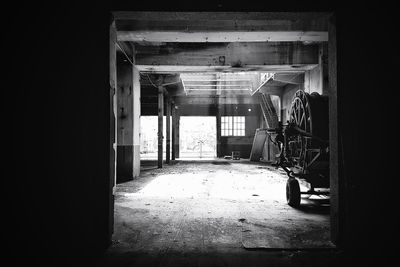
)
(148, 137)
(198, 137)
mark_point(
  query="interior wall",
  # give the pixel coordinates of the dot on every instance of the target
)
(242, 144)
(197, 110)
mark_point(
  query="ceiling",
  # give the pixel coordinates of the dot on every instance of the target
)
(220, 53)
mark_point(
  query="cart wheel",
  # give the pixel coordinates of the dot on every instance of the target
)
(293, 192)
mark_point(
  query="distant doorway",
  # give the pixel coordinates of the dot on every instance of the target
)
(198, 137)
(149, 138)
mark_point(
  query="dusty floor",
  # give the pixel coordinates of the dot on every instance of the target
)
(207, 208)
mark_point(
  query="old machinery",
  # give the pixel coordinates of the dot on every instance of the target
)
(304, 146)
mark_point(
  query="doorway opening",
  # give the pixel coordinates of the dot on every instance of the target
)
(198, 137)
(148, 137)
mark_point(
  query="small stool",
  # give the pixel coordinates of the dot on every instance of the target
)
(235, 154)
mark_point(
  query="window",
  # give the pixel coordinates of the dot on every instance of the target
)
(233, 126)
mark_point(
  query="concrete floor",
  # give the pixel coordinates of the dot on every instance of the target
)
(214, 213)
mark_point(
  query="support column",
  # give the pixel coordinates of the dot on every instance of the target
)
(173, 111)
(112, 134)
(336, 195)
(160, 125)
(218, 131)
(125, 125)
(128, 122)
(168, 131)
(177, 144)
(136, 122)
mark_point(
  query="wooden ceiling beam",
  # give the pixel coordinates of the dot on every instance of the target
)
(222, 21)
(166, 69)
(219, 37)
(168, 16)
(227, 57)
(227, 54)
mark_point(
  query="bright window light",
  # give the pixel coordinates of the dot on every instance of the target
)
(233, 125)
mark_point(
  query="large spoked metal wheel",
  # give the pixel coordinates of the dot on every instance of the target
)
(309, 112)
(293, 192)
(300, 113)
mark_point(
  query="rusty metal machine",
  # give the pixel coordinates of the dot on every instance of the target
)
(304, 146)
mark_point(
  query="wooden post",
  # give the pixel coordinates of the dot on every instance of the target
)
(168, 131)
(173, 111)
(160, 125)
(218, 132)
(112, 133)
(177, 134)
(336, 196)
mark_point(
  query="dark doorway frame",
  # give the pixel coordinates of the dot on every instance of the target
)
(337, 194)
